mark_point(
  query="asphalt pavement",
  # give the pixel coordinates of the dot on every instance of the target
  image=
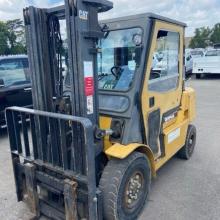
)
(183, 190)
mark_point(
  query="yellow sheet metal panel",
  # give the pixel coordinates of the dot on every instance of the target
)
(192, 104)
(175, 134)
(169, 123)
(185, 101)
(105, 123)
(122, 151)
(189, 103)
(174, 139)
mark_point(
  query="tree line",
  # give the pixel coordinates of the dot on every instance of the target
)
(205, 36)
(12, 37)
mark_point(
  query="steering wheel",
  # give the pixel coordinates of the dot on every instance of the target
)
(116, 71)
(154, 75)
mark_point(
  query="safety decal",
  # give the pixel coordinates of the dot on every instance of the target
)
(172, 136)
(90, 108)
(88, 78)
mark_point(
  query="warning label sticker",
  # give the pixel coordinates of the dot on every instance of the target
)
(89, 86)
(172, 136)
(90, 108)
(88, 78)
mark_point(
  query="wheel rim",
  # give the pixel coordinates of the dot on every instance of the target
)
(191, 144)
(134, 190)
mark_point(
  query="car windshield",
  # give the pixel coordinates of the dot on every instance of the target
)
(213, 53)
(119, 58)
(197, 53)
(14, 71)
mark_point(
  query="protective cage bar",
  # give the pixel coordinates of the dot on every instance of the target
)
(52, 165)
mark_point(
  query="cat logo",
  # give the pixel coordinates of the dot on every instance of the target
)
(170, 117)
(83, 15)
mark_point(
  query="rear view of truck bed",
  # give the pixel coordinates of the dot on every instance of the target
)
(208, 64)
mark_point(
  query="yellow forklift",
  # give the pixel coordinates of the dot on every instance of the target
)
(110, 108)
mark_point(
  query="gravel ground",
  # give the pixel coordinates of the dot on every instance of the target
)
(183, 190)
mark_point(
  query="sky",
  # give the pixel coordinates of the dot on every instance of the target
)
(196, 13)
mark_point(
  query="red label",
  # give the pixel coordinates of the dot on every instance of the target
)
(89, 86)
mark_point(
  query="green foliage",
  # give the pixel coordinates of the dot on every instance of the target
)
(12, 37)
(215, 36)
(206, 36)
(4, 47)
(201, 38)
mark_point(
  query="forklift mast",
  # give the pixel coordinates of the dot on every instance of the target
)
(47, 52)
(45, 48)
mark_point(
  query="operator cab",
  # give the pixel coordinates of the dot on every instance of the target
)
(136, 57)
(122, 62)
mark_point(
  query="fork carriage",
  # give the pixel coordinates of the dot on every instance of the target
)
(52, 175)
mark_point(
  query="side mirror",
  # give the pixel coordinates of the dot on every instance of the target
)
(137, 39)
(2, 83)
(188, 58)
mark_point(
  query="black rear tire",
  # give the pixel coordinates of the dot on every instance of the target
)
(198, 76)
(125, 185)
(187, 151)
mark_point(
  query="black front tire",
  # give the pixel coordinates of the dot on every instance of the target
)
(124, 191)
(187, 151)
